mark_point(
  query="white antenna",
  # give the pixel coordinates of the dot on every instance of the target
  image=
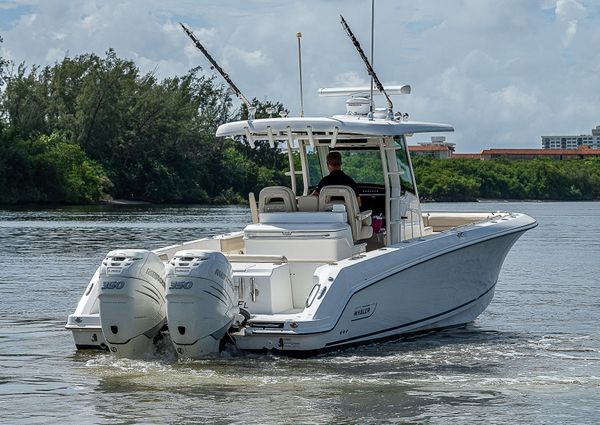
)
(299, 36)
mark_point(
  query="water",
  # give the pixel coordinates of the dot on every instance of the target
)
(532, 357)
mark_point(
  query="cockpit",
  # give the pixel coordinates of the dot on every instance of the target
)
(363, 162)
(374, 154)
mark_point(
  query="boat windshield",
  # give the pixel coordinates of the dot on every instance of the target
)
(314, 166)
(406, 177)
(363, 165)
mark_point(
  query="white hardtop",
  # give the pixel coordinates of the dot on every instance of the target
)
(339, 125)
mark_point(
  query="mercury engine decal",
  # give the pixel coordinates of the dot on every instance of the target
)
(156, 276)
(223, 276)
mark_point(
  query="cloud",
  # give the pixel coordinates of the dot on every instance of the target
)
(526, 65)
(568, 10)
(570, 32)
(568, 13)
(8, 5)
(350, 79)
(511, 100)
(54, 55)
(254, 58)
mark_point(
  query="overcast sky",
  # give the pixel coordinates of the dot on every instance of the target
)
(503, 72)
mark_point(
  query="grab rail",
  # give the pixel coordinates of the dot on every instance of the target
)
(250, 258)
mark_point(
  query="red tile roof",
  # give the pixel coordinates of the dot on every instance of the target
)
(466, 155)
(540, 152)
(429, 148)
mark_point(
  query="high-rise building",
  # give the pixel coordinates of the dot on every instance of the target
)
(573, 142)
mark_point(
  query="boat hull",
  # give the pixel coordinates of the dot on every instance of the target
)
(87, 331)
(433, 282)
(84, 323)
(450, 286)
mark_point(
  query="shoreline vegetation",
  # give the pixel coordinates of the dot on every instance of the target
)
(89, 129)
(93, 130)
(465, 179)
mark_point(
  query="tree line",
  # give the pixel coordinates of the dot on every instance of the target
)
(90, 128)
(466, 179)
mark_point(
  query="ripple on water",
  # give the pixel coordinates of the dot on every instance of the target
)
(531, 357)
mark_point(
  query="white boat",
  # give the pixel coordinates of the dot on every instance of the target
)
(310, 273)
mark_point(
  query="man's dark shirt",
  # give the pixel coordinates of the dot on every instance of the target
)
(336, 177)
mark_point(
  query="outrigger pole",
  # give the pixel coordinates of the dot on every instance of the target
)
(371, 106)
(370, 69)
(236, 91)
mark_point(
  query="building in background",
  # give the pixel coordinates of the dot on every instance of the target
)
(573, 142)
(437, 148)
(466, 155)
(589, 147)
(442, 152)
(581, 153)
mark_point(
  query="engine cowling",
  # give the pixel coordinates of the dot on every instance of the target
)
(132, 301)
(201, 305)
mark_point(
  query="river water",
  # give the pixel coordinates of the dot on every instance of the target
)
(532, 357)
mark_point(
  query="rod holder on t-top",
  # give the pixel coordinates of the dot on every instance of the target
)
(236, 91)
(370, 70)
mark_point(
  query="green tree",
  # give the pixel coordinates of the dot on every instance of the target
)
(63, 172)
(47, 169)
(543, 179)
(154, 139)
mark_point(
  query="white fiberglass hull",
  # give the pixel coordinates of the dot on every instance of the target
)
(437, 281)
(87, 331)
(84, 323)
(434, 282)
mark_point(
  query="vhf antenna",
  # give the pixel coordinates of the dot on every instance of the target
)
(370, 69)
(299, 36)
(236, 91)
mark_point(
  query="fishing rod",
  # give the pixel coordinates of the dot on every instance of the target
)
(370, 69)
(220, 70)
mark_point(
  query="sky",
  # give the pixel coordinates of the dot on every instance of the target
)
(502, 72)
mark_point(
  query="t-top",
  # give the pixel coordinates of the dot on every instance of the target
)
(338, 177)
